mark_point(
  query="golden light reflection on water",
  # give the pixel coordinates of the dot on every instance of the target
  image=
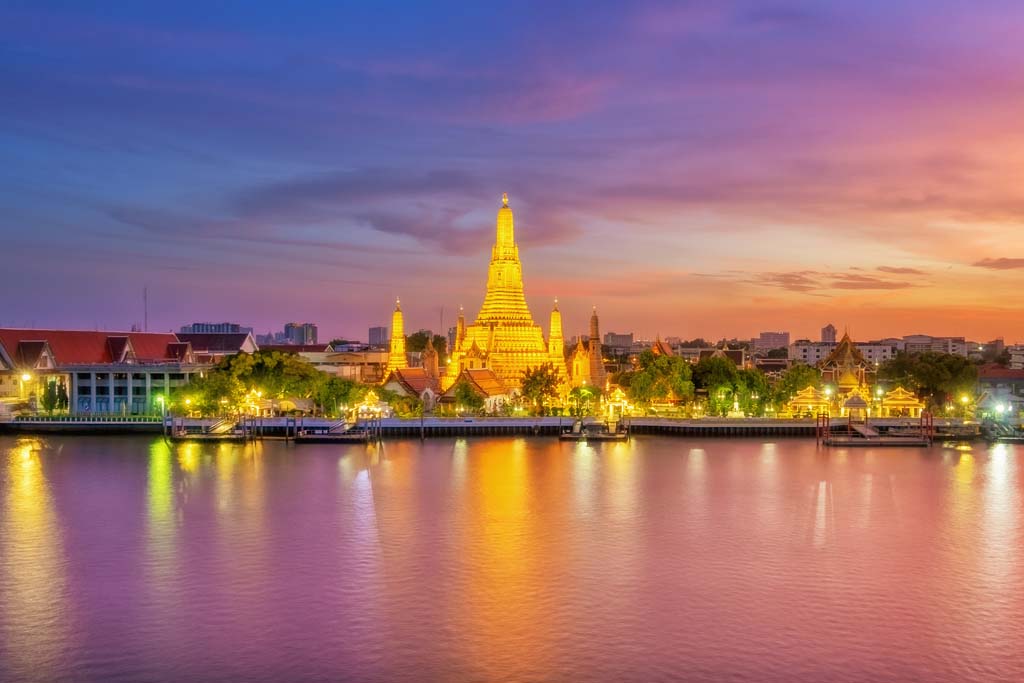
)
(34, 583)
(503, 545)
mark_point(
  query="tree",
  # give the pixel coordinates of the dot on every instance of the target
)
(778, 353)
(581, 400)
(50, 397)
(936, 377)
(540, 384)
(752, 391)
(796, 378)
(659, 378)
(720, 378)
(468, 398)
(337, 393)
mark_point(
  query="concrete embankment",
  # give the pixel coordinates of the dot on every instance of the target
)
(442, 427)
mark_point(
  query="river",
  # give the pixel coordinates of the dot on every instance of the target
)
(514, 559)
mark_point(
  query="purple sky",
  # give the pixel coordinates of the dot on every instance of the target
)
(696, 169)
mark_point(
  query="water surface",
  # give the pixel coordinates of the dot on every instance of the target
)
(126, 559)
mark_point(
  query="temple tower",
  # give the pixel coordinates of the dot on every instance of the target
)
(396, 356)
(597, 374)
(430, 361)
(556, 344)
(507, 340)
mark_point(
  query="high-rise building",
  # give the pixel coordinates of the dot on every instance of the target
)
(300, 333)
(828, 334)
(378, 336)
(214, 328)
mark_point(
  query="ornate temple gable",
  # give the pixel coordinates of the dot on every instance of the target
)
(845, 355)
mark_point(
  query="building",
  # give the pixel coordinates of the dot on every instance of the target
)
(123, 373)
(486, 384)
(300, 333)
(1000, 387)
(813, 353)
(416, 383)
(586, 362)
(378, 337)
(215, 328)
(1016, 356)
(922, 343)
(828, 334)
(618, 343)
(397, 359)
(503, 338)
(767, 341)
(211, 348)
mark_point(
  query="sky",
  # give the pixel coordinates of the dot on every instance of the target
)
(709, 169)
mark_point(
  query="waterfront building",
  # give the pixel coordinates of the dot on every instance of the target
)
(767, 341)
(828, 334)
(396, 354)
(899, 402)
(99, 372)
(415, 383)
(213, 347)
(486, 383)
(504, 337)
(378, 337)
(808, 402)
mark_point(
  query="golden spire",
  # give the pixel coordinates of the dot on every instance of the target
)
(396, 354)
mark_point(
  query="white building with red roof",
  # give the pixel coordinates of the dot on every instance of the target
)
(99, 372)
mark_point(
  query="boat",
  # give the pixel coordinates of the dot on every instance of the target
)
(595, 431)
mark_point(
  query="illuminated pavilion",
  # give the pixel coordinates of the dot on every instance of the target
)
(504, 338)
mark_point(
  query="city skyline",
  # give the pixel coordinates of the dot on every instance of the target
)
(691, 170)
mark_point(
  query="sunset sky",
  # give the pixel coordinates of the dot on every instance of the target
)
(695, 169)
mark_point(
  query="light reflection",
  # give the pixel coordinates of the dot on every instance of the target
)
(34, 585)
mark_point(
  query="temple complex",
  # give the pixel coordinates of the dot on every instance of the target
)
(504, 337)
(396, 355)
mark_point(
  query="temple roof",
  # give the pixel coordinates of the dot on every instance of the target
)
(414, 380)
(845, 355)
(81, 347)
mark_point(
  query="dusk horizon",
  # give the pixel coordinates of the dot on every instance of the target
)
(698, 170)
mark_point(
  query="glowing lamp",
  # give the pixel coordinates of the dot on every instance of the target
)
(26, 377)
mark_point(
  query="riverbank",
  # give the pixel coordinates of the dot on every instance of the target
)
(284, 427)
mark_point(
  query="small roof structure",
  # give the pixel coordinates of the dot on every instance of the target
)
(901, 398)
(856, 401)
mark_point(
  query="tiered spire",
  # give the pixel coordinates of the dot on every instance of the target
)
(396, 356)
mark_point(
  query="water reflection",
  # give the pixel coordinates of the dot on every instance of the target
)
(33, 586)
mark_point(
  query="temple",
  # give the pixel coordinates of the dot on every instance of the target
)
(586, 363)
(396, 355)
(504, 338)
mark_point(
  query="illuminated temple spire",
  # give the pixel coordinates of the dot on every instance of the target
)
(556, 345)
(503, 338)
(396, 356)
(504, 299)
(597, 374)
